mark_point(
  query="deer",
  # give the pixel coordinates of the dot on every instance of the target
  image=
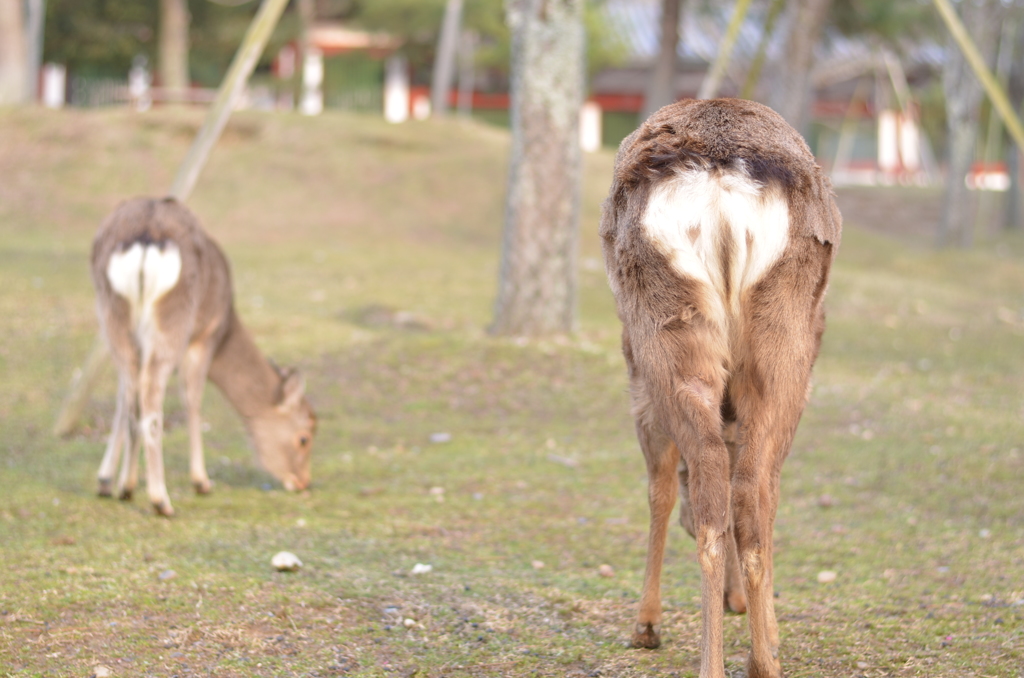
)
(719, 232)
(164, 300)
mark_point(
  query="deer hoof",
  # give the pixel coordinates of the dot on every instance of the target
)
(163, 508)
(105, 487)
(203, 486)
(646, 636)
(736, 601)
(772, 670)
(126, 494)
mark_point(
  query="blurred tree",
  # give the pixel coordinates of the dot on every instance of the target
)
(99, 38)
(13, 53)
(537, 284)
(885, 20)
(173, 64)
(418, 24)
(791, 95)
(963, 92)
(661, 85)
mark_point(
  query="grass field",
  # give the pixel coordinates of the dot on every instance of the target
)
(367, 255)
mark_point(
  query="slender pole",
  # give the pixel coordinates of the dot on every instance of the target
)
(713, 79)
(757, 63)
(993, 89)
(228, 95)
(81, 386)
(444, 62)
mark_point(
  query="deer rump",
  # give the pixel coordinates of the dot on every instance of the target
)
(719, 233)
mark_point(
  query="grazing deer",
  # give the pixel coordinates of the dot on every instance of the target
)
(719, 233)
(164, 299)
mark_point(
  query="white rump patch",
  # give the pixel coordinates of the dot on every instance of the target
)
(143, 274)
(697, 217)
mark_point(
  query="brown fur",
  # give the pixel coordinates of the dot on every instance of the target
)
(197, 330)
(719, 405)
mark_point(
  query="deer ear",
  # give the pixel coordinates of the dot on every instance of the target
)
(293, 388)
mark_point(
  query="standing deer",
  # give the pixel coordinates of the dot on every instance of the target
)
(719, 233)
(164, 299)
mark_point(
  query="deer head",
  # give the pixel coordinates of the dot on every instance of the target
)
(283, 434)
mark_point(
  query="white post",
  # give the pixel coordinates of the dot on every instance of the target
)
(54, 84)
(138, 84)
(396, 89)
(888, 145)
(312, 79)
(910, 144)
(590, 127)
(421, 107)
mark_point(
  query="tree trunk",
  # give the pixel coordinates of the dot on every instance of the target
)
(174, 20)
(661, 89)
(537, 285)
(13, 54)
(35, 18)
(792, 96)
(963, 94)
(444, 60)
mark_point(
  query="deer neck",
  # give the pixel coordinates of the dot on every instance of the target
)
(243, 374)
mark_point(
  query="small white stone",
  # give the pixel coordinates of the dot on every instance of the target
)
(420, 568)
(826, 577)
(606, 570)
(409, 623)
(285, 561)
(101, 671)
(538, 564)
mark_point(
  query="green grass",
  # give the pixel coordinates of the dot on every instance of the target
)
(915, 431)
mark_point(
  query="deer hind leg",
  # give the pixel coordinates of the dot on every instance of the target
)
(735, 597)
(769, 395)
(755, 501)
(195, 364)
(685, 382)
(662, 458)
(156, 371)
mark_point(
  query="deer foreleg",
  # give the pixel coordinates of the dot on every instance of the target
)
(194, 366)
(129, 476)
(118, 433)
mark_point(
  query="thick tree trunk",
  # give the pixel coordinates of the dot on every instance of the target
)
(174, 20)
(661, 89)
(13, 54)
(963, 94)
(792, 96)
(537, 286)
